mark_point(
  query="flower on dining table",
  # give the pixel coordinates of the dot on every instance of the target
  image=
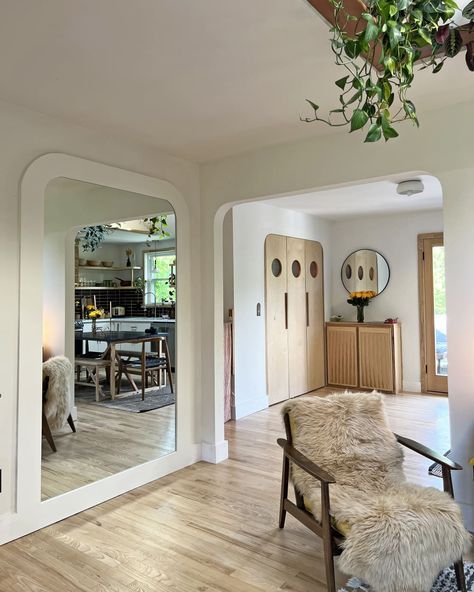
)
(94, 313)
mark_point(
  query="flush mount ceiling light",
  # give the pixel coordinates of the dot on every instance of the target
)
(410, 187)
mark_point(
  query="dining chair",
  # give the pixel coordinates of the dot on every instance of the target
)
(146, 364)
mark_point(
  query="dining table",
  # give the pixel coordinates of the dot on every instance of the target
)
(114, 339)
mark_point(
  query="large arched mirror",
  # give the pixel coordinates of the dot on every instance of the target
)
(365, 270)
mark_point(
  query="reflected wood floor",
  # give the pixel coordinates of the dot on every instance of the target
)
(206, 528)
(107, 441)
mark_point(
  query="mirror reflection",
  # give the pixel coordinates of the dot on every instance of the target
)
(109, 333)
(365, 270)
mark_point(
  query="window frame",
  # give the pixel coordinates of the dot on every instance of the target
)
(163, 251)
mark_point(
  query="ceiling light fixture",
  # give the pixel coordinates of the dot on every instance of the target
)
(410, 187)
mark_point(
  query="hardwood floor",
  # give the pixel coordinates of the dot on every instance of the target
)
(206, 528)
(107, 441)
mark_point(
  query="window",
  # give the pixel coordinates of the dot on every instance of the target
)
(160, 268)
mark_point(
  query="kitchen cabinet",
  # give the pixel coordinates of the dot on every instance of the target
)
(364, 355)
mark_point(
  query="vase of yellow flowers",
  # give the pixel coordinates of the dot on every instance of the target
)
(94, 313)
(361, 299)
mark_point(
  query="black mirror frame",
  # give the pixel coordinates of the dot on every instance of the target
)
(374, 251)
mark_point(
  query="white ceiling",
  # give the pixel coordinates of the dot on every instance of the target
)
(379, 197)
(201, 79)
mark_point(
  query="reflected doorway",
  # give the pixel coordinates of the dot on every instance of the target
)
(433, 333)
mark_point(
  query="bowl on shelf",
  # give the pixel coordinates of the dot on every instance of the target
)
(82, 261)
(93, 263)
(107, 263)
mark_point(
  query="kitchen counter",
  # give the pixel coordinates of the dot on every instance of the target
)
(133, 320)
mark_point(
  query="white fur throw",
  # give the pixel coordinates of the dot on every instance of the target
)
(400, 535)
(57, 406)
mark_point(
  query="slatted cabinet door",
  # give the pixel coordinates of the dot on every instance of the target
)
(297, 357)
(342, 355)
(314, 315)
(376, 369)
(276, 311)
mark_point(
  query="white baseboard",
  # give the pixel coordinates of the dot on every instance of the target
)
(411, 387)
(215, 453)
(243, 408)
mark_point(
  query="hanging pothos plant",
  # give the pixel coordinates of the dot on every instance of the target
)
(92, 236)
(379, 50)
(157, 227)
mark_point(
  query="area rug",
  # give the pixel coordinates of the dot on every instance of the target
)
(154, 399)
(445, 582)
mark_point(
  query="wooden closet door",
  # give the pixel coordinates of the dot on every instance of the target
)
(297, 359)
(314, 315)
(276, 318)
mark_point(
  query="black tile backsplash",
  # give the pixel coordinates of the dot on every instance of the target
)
(131, 300)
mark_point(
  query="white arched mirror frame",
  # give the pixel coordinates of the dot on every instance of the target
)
(32, 513)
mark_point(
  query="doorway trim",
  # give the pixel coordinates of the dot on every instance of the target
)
(423, 310)
(30, 512)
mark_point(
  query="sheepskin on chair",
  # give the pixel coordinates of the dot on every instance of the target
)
(57, 406)
(399, 535)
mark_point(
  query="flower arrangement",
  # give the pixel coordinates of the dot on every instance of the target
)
(94, 313)
(361, 299)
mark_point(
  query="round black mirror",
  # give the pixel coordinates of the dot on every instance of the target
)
(373, 272)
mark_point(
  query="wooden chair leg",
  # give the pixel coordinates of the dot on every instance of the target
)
(285, 474)
(71, 422)
(460, 578)
(47, 433)
(168, 365)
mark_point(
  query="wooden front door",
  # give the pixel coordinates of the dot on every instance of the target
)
(433, 336)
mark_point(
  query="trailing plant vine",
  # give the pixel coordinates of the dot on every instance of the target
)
(93, 235)
(379, 51)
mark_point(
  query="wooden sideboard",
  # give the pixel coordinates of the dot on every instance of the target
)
(364, 356)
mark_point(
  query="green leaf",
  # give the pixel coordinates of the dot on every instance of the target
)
(354, 98)
(389, 132)
(341, 83)
(394, 36)
(313, 105)
(371, 32)
(425, 36)
(453, 43)
(390, 63)
(358, 120)
(375, 133)
(410, 110)
(402, 4)
(438, 67)
(392, 10)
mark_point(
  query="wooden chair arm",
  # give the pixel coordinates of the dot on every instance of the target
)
(304, 463)
(428, 453)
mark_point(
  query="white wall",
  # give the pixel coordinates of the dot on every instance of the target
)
(395, 237)
(252, 224)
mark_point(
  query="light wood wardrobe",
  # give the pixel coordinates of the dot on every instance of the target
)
(294, 296)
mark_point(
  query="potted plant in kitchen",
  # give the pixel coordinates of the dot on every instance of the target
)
(379, 48)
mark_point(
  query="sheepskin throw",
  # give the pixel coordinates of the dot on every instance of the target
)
(400, 535)
(57, 406)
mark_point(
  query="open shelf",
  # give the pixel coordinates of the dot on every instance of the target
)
(105, 288)
(103, 267)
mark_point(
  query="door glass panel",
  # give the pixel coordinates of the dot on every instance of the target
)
(439, 298)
